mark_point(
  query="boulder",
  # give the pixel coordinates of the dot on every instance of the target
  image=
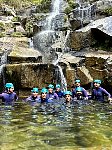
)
(24, 55)
(104, 25)
(79, 40)
(26, 76)
(89, 66)
(75, 24)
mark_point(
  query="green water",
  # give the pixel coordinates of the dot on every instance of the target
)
(80, 127)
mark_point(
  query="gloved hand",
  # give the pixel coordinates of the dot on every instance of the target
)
(110, 100)
(50, 98)
(85, 98)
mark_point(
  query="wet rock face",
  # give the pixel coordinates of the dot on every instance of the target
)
(79, 40)
(26, 76)
(75, 24)
(93, 65)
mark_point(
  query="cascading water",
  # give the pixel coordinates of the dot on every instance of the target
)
(50, 23)
(2, 65)
(6, 47)
(45, 39)
(86, 12)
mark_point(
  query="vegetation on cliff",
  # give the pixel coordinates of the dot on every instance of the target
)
(71, 6)
(19, 4)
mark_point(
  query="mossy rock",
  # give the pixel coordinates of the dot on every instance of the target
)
(2, 26)
(2, 34)
(17, 34)
(107, 11)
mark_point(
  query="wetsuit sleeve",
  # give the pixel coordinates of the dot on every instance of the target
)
(106, 93)
(16, 97)
(28, 99)
(56, 96)
(73, 93)
(85, 93)
(92, 95)
(1, 96)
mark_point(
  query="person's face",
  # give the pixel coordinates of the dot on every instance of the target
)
(77, 83)
(50, 90)
(35, 94)
(11, 90)
(96, 85)
(68, 98)
(57, 89)
(43, 95)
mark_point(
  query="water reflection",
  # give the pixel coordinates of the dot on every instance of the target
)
(67, 127)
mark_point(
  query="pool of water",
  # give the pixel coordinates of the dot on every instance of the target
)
(84, 126)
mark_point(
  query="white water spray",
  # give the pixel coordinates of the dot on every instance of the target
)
(49, 35)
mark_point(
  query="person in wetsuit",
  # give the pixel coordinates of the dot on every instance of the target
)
(9, 96)
(43, 97)
(80, 94)
(98, 92)
(51, 94)
(34, 95)
(58, 91)
(68, 97)
(83, 91)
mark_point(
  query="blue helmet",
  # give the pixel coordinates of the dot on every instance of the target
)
(44, 90)
(34, 90)
(51, 86)
(79, 89)
(77, 81)
(58, 86)
(97, 81)
(9, 85)
(67, 93)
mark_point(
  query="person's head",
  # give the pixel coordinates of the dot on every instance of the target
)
(58, 87)
(9, 87)
(68, 95)
(50, 88)
(77, 82)
(97, 83)
(34, 92)
(44, 92)
(79, 90)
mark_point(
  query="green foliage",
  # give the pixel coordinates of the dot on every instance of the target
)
(24, 3)
(44, 6)
(68, 10)
(2, 26)
(15, 19)
(17, 34)
(108, 11)
(72, 5)
(2, 34)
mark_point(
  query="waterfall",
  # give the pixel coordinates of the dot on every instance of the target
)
(50, 34)
(86, 12)
(54, 13)
(2, 65)
(63, 79)
(3, 58)
(46, 38)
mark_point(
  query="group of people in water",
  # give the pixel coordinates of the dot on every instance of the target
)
(51, 93)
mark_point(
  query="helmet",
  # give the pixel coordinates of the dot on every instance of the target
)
(97, 81)
(58, 86)
(9, 85)
(44, 90)
(79, 89)
(67, 93)
(34, 90)
(51, 86)
(78, 81)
